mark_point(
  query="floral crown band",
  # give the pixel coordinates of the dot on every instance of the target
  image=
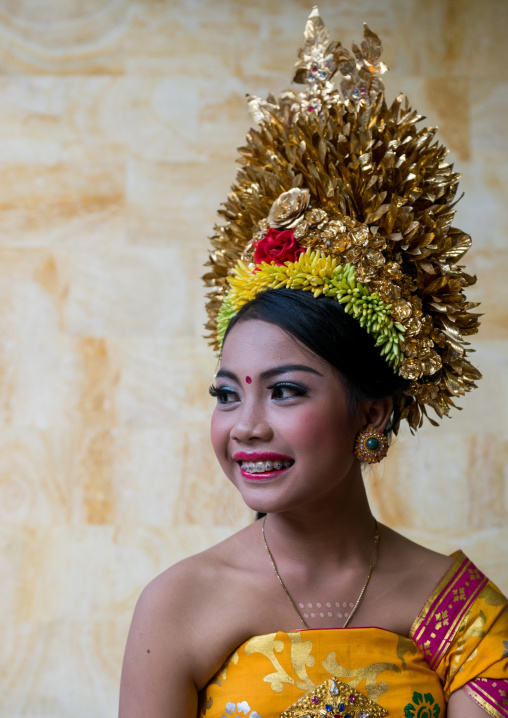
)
(343, 196)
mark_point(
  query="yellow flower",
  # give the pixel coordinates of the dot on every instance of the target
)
(320, 274)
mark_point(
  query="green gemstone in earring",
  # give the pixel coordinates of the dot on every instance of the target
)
(372, 443)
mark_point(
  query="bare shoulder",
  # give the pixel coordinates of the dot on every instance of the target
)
(191, 596)
(185, 624)
(408, 574)
(415, 560)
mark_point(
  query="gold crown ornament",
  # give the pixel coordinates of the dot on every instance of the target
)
(334, 699)
(341, 195)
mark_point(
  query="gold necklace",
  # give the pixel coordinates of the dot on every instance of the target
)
(371, 567)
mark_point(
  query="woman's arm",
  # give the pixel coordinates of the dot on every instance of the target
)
(461, 705)
(157, 675)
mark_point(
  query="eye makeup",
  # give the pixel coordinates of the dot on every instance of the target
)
(224, 394)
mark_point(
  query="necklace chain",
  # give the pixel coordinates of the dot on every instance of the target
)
(371, 568)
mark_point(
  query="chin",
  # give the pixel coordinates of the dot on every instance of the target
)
(270, 504)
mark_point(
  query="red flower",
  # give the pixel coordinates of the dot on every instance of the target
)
(277, 246)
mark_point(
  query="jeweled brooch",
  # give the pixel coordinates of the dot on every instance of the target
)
(334, 699)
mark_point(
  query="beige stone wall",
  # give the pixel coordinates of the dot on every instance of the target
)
(118, 123)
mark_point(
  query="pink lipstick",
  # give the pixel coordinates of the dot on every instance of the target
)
(262, 465)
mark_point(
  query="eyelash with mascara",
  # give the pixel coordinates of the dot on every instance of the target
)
(296, 388)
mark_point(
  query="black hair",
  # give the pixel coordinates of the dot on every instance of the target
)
(323, 326)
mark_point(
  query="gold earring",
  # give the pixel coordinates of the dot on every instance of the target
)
(371, 446)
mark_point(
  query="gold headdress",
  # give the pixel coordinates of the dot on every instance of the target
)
(341, 195)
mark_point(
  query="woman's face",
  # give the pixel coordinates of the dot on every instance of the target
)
(281, 429)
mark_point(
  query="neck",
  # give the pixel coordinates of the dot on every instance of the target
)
(330, 535)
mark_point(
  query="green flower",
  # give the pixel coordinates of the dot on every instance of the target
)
(320, 274)
(424, 707)
(226, 314)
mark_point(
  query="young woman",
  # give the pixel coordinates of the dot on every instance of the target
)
(340, 320)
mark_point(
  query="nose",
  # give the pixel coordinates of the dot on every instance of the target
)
(251, 423)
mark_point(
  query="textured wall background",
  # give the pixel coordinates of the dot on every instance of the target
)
(118, 123)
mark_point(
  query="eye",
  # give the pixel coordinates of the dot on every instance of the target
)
(287, 390)
(223, 394)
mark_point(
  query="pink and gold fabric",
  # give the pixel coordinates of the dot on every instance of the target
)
(459, 640)
(463, 633)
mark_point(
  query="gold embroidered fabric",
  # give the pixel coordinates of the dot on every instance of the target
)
(268, 674)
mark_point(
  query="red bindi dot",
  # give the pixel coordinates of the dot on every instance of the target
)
(248, 380)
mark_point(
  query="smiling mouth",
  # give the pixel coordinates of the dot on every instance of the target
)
(264, 467)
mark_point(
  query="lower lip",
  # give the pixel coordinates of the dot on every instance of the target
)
(264, 477)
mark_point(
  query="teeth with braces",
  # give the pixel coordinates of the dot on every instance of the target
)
(261, 467)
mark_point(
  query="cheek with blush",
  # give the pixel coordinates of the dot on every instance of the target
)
(219, 436)
(318, 432)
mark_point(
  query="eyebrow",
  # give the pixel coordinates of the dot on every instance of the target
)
(269, 373)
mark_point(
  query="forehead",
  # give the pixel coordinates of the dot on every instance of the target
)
(256, 345)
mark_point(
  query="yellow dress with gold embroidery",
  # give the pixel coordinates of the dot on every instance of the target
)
(459, 640)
